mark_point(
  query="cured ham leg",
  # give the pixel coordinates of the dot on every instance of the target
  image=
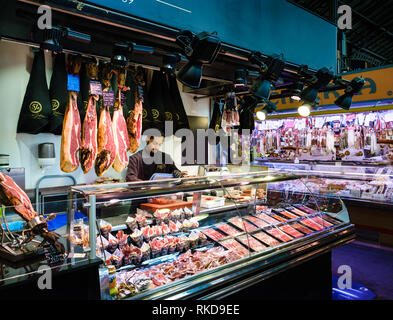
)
(13, 196)
(120, 133)
(71, 135)
(88, 151)
(121, 139)
(106, 145)
(134, 121)
(134, 126)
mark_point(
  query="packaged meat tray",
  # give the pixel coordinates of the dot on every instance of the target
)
(286, 214)
(266, 239)
(321, 221)
(277, 217)
(291, 231)
(258, 222)
(330, 219)
(251, 242)
(267, 218)
(213, 234)
(242, 224)
(297, 211)
(302, 228)
(232, 244)
(311, 224)
(279, 234)
(305, 209)
(229, 230)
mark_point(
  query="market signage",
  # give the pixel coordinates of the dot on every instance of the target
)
(378, 87)
(268, 26)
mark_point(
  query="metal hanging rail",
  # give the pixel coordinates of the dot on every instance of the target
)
(146, 27)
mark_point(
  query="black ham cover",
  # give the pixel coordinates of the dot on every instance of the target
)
(179, 113)
(155, 106)
(129, 94)
(36, 107)
(215, 122)
(58, 94)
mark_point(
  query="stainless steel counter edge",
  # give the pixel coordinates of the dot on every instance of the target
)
(274, 262)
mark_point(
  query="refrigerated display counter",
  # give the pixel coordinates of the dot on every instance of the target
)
(157, 245)
(366, 190)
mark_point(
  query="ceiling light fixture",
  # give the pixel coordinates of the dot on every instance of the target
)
(271, 69)
(169, 61)
(354, 87)
(52, 39)
(319, 81)
(120, 54)
(199, 49)
(304, 110)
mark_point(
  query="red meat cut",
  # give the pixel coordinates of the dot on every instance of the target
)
(134, 121)
(12, 195)
(71, 135)
(106, 145)
(121, 140)
(88, 151)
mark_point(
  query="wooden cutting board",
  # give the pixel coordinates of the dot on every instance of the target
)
(152, 207)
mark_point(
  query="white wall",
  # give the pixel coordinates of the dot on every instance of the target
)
(15, 65)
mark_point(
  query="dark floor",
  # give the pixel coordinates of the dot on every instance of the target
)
(371, 266)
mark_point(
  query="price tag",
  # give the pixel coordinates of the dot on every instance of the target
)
(95, 88)
(73, 83)
(123, 98)
(108, 98)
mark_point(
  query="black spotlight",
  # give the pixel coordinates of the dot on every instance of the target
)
(52, 39)
(296, 90)
(240, 78)
(263, 85)
(199, 49)
(320, 80)
(169, 61)
(120, 54)
(353, 88)
(249, 102)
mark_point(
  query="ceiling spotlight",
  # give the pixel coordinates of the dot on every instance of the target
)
(52, 39)
(296, 90)
(304, 110)
(319, 81)
(169, 61)
(248, 102)
(272, 70)
(353, 88)
(120, 54)
(240, 78)
(261, 115)
(199, 49)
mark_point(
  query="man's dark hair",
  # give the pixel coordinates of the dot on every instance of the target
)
(160, 133)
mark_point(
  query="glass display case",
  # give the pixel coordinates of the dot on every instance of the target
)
(205, 237)
(48, 241)
(355, 184)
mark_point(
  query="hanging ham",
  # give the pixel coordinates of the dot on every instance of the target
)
(106, 144)
(122, 142)
(71, 134)
(88, 151)
(134, 121)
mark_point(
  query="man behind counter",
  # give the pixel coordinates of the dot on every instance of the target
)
(141, 165)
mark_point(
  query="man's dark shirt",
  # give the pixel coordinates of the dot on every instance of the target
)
(138, 170)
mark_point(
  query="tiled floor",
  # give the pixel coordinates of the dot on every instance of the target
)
(371, 266)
